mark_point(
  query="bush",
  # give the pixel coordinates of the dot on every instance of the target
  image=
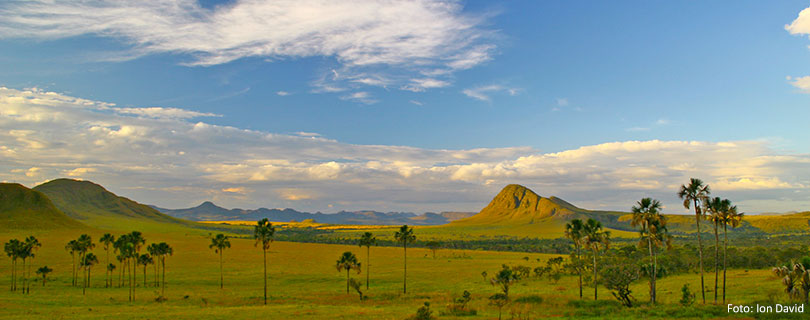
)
(459, 306)
(687, 296)
(423, 313)
(530, 299)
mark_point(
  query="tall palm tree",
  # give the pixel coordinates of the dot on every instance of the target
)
(219, 243)
(597, 240)
(732, 218)
(44, 271)
(24, 251)
(405, 235)
(33, 244)
(12, 249)
(574, 231)
(73, 247)
(368, 240)
(715, 210)
(154, 250)
(110, 270)
(164, 249)
(145, 260)
(137, 240)
(348, 261)
(646, 214)
(107, 239)
(88, 261)
(695, 194)
(263, 233)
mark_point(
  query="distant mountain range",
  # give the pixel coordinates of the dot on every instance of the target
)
(208, 211)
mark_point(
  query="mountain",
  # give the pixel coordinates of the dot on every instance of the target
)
(518, 205)
(93, 205)
(208, 211)
(23, 208)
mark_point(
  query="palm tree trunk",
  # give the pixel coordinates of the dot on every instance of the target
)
(579, 271)
(44, 276)
(368, 264)
(144, 276)
(347, 281)
(84, 282)
(221, 277)
(716, 260)
(405, 274)
(700, 251)
(134, 272)
(88, 276)
(652, 274)
(107, 275)
(163, 265)
(725, 247)
(655, 276)
(23, 275)
(73, 282)
(13, 273)
(265, 275)
(595, 283)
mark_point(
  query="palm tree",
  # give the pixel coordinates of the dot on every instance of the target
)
(219, 243)
(164, 249)
(107, 239)
(368, 240)
(574, 231)
(73, 247)
(12, 249)
(154, 251)
(85, 244)
(694, 194)
(646, 214)
(88, 262)
(731, 217)
(348, 261)
(596, 239)
(716, 210)
(137, 240)
(24, 251)
(405, 235)
(33, 245)
(110, 270)
(44, 271)
(144, 260)
(263, 233)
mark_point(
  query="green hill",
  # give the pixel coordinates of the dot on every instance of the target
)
(93, 205)
(23, 208)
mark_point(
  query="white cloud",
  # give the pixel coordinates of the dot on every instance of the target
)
(157, 160)
(283, 93)
(416, 103)
(801, 25)
(801, 83)
(562, 102)
(159, 112)
(420, 85)
(362, 96)
(412, 36)
(483, 92)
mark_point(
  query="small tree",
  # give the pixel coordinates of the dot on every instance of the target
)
(424, 313)
(484, 274)
(618, 278)
(43, 272)
(687, 296)
(499, 300)
(356, 285)
(348, 261)
(504, 279)
(554, 268)
(433, 245)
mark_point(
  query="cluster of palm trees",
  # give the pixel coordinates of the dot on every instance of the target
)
(654, 234)
(718, 211)
(25, 251)
(589, 235)
(127, 248)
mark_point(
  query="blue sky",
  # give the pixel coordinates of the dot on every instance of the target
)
(420, 106)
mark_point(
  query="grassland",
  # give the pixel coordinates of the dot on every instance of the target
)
(304, 284)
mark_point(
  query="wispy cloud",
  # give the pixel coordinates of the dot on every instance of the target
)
(414, 37)
(483, 93)
(361, 96)
(420, 85)
(47, 135)
(160, 112)
(282, 93)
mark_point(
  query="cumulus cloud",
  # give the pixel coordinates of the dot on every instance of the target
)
(801, 25)
(176, 162)
(412, 36)
(801, 83)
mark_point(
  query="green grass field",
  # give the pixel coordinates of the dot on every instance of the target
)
(304, 284)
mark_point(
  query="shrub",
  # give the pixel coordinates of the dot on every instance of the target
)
(687, 296)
